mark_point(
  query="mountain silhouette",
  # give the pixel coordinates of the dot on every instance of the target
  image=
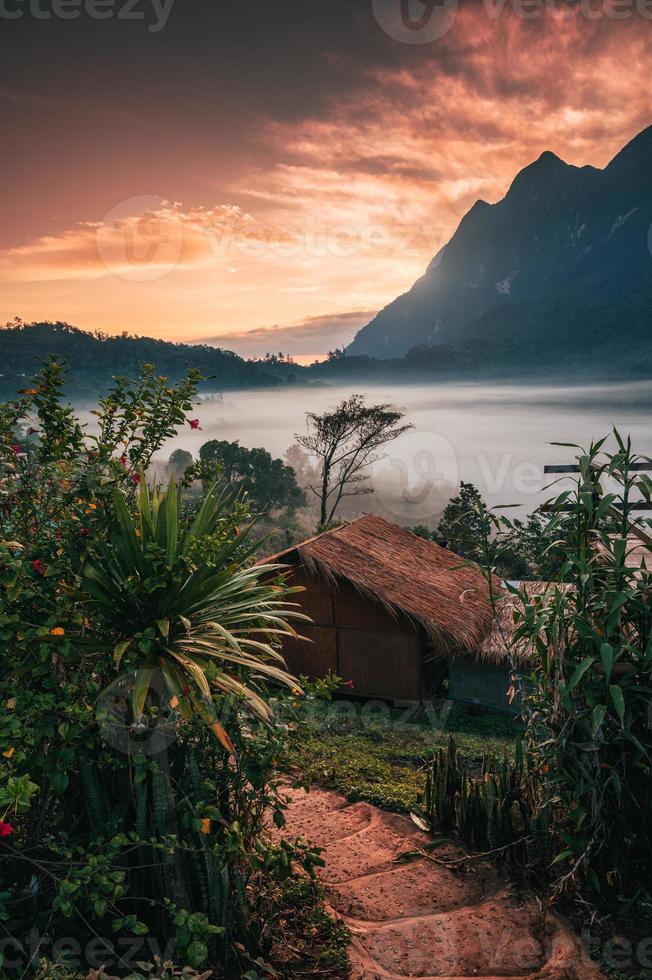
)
(558, 271)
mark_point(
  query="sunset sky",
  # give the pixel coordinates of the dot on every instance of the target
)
(266, 175)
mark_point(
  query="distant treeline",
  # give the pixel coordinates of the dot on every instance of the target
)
(93, 359)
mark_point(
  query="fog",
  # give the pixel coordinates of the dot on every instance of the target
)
(496, 436)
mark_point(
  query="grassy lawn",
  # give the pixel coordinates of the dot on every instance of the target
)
(380, 756)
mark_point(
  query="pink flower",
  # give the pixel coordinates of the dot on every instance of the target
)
(135, 478)
(194, 424)
(6, 830)
(38, 566)
(124, 461)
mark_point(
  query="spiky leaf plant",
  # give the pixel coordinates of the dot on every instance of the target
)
(180, 599)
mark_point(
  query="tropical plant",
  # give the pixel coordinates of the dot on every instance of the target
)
(131, 635)
(498, 811)
(169, 589)
(587, 694)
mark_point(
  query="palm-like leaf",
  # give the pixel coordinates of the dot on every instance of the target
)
(213, 624)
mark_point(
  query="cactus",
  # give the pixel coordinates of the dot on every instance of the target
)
(501, 810)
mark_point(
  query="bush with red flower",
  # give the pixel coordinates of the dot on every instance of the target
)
(138, 754)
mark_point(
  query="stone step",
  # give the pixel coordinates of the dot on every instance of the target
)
(415, 889)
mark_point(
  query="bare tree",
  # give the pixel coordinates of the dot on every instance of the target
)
(345, 442)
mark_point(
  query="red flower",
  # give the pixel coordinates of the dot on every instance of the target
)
(194, 424)
(123, 461)
(85, 533)
(348, 684)
(58, 535)
(6, 830)
(16, 450)
(135, 477)
(38, 566)
(31, 431)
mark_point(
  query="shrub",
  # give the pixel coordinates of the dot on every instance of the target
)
(139, 759)
(586, 694)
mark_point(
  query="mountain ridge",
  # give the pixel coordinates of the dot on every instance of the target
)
(580, 233)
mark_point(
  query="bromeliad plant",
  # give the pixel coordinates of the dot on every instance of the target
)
(183, 602)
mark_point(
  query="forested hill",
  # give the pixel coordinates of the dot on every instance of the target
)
(92, 360)
(559, 270)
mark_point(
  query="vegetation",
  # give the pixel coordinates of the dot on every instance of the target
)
(94, 359)
(140, 757)
(586, 692)
(530, 551)
(269, 484)
(382, 756)
(345, 442)
(496, 811)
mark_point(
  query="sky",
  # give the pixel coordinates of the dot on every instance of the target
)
(266, 175)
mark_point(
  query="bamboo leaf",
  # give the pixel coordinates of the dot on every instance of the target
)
(619, 701)
(580, 672)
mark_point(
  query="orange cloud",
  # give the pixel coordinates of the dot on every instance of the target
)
(350, 203)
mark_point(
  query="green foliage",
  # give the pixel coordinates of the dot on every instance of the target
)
(587, 692)
(530, 551)
(94, 359)
(131, 635)
(590, 729)
(269, 484)
(169, 592)
(497, 811)
(384, 759)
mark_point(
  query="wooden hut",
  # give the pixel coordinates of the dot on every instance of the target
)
(485, 676)
(390, 609)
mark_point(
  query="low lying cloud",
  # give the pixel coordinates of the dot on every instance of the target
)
(312, 338)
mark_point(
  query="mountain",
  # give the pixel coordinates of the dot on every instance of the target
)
(93, 359)
(557, 272)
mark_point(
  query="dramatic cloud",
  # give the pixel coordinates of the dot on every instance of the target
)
(339, 202)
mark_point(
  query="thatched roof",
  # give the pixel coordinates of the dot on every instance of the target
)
(500, 641)
(638, 553)
(407, 574)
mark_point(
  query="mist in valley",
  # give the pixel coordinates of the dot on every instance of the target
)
(498, 437)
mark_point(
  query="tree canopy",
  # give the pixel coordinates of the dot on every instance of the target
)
(345, 442)
(270, 484)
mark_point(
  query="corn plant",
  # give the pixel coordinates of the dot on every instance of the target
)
(582, 656)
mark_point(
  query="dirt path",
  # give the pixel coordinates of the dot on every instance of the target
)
(423, 919)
